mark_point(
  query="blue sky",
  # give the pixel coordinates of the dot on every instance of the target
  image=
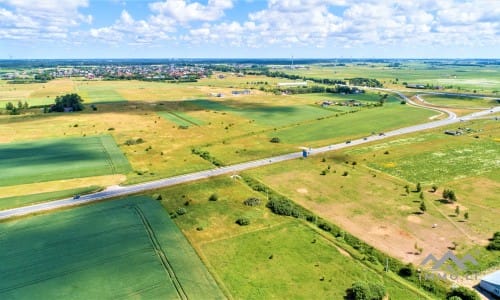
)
(249, 28)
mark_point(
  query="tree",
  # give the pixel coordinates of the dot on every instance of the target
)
(449, 195)
(243, 221)
(275, 140)
(495, 242)
(466, 215)
(213, 197)
(418, 188)
(68, 101)
(407, 189)
(463, 293)
(421, 196)
(26, 105)
(457, 210)
(9, 106)
(423, 208)
(434, 188)
(361, 290)
(19, 104)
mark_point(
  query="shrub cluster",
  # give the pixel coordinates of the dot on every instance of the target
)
(134, 141)
(206, 156)
(449, 195)
(361, 290)
(252, 201)
(275, 140)
(243, 221)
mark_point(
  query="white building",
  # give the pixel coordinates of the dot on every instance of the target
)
(301, 83)
(491, 283)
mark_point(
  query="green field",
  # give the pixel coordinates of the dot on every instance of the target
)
(454, 78)
(63, 158)
(266, 114)
(299, 255)
(418, 160)
(104, 94)
(459, 102)
(238, 256)
(357, 124)
(127, 249)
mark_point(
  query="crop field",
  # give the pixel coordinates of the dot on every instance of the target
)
(125, 248)
(52, 159)
(245, 270)
(360, 192)
(321, 132)
(460, 102)
(267, 114)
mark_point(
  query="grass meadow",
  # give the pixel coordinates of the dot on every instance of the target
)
(239, 256)
(125, 248)
(362, 192)
(63, 158)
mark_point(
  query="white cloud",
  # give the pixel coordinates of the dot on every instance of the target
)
(185, 12)
(40, 19)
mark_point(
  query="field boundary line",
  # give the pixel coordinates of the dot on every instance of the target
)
(161, 255)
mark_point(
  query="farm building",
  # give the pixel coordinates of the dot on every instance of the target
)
(491, 283)
(244, 92)
(415, 86)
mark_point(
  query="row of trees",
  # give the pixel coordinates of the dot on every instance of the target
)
(16, 110)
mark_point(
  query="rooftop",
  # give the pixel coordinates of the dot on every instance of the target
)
(493, 278)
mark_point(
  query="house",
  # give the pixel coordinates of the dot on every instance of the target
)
(491, 283)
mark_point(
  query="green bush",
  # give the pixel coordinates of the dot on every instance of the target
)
(213, 197)
(463, 293)
(243, 221)
(361, 290)
(181, 211)
(157, 197)
(495, 242)
(275, 140)
(252, 201)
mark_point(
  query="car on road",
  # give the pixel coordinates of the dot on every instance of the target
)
(381, 134)
(76, 197)
(365, 138)
(347, 142)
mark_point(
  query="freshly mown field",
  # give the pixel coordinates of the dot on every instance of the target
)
(63, 158)
(272, 257)
(459, 102)
(127, 249)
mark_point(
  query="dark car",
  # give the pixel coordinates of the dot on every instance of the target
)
(76, 197)
(348, 142)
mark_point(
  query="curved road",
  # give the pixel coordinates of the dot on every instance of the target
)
(115, 191)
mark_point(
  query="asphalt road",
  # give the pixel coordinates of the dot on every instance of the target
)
(115, 191)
